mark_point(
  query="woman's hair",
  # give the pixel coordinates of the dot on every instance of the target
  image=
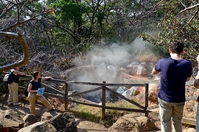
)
(35, 73)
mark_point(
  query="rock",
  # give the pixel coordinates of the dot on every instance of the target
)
(132, 64)
(136, 69)
(64, 122)
(136, 91)
(191, 130)
(29, 119)
(1, 119)
(4, 97)
(7, 114)
(46, 116)
(153, 92)
(39, 127)
(86, 126)
(8, 129)
(12, 119)
(148, 65)
(131, 123)
(127, 91)
(141, 71)
(133, 91)
(121, 90)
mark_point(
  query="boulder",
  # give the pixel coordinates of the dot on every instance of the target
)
(8, 129)
(8, 114)
(131, 123)
(148, 65)
(64, 122)
(133, 91)
(153, 92)
(191, 130)
(1, 119)
(88, 126)
(29, 119)
(39, 127)
(137, 69)
(132, 64)
(46, 116)
(12, 119)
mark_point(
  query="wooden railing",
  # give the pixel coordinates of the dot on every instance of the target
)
(64, 95)
(104, 87)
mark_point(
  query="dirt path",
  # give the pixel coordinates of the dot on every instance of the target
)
(22, 110)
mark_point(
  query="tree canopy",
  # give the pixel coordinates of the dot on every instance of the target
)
(72, 27)
(179, 22)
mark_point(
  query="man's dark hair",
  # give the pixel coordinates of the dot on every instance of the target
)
(176, 47)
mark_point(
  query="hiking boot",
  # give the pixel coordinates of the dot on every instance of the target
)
(17, 103)
(10, 103)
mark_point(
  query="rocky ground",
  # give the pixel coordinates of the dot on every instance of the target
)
(15, 119)
(83, 125)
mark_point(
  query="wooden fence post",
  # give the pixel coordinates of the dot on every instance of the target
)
(103, 99)
(66, 96)
(146, 98)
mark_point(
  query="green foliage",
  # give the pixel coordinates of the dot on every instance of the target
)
(159, 13)
(69, 10)
(87, 112)
(94, 113)
(177, 26)
(75, 26)
(100, 16)
(90, 21)
(161, 51)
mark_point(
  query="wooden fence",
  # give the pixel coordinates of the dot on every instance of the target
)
(64, 95)
(104, 87)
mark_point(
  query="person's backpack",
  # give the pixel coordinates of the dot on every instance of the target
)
(26, 91)
(8, 77)
(5, 78)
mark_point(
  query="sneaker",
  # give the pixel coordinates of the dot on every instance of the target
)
(17, 103)
(10, 103)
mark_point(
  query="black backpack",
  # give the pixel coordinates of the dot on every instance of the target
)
(26, 91)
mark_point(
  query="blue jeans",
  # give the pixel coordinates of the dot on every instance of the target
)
(170, 116)
(197, 118)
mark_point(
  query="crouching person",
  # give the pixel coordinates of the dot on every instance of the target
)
(33, 95)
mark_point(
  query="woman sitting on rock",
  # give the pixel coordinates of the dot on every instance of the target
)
(33, 89)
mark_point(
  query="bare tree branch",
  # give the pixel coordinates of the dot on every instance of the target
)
(193, 17)
(18, 13)
(182, 3)
(152, 10)
(32, 18)
(189, 8)
(6, 9)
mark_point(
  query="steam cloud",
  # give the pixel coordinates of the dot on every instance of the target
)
(116, 54)
(104, 64)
